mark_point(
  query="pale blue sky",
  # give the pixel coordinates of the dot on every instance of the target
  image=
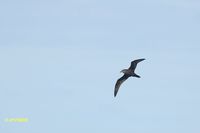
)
(60, 61)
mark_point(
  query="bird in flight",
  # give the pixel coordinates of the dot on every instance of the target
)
(130, 72)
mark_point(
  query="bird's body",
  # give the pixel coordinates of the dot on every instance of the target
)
(130, 72)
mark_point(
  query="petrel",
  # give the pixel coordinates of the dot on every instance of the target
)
(130, 72)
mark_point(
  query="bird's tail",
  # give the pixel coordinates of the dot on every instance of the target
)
(135, 75)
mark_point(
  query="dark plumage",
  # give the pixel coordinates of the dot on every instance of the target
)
(127, 73)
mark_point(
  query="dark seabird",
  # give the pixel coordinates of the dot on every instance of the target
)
(130, 72)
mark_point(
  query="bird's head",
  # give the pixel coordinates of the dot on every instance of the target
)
(123, 71)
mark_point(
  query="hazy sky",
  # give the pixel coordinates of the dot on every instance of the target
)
(60, 60)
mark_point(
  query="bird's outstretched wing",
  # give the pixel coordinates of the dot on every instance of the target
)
(134, 64)
(119, 82)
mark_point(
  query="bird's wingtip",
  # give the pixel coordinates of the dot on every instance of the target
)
(115, 94)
